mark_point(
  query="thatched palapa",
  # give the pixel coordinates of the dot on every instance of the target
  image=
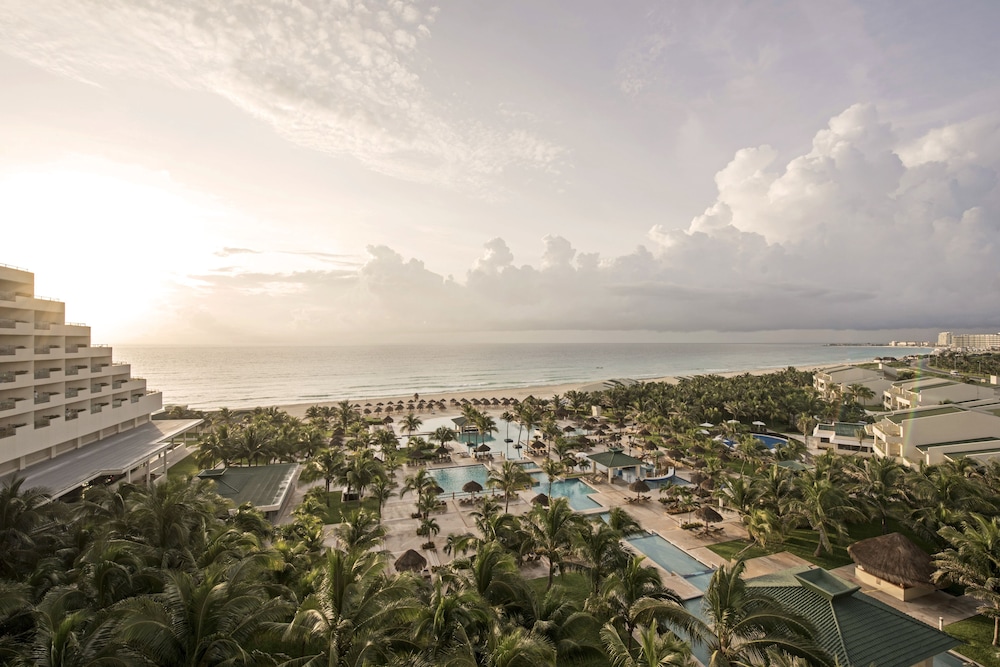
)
(893, 558)
(411, 560)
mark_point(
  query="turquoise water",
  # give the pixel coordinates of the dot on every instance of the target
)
(769, 441)
(667, 556)
(574, 490)
(453, 479)
(208, 377)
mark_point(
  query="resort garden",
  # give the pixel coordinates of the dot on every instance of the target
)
(172, 575)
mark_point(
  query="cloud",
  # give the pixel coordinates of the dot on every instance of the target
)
(342, 77)
(857, 233)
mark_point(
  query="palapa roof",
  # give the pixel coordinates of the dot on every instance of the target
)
(893, 558)
(707, 514)
(410, 560)
(639, 486)
(541, 499)
(472, 486)
(854, 628)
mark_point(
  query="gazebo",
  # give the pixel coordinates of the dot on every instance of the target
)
(410, 560)
(615, 461)
(893, 564)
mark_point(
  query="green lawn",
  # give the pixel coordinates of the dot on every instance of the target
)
(186, 466)
(802, 543)
(335, 512)
(977, 633)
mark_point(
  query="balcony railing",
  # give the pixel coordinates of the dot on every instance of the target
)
(8, 431)
(95, 410)
(41, 398)
(42, 374)
(71, 414)
(43, 350)
(8, 404)
(8, 350)
(43, 326)
(41, 423)
(72, 370)
(7, 376)
(71, 393)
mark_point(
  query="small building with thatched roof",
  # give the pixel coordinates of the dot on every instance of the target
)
(410, 560)
(893, 564)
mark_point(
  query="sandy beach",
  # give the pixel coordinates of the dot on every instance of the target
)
(520, 393)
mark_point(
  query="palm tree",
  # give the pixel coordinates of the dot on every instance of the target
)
(327, 466)
(553, 530)
(624, 589)
(453, 620)
(25, 523)
(360, 530)
(357, 616)
(552, 469)
(510, 479)
(598, 552)
(878, 485)
(382, 489)
(654, 649)
(444, 435)
(973, 560)
(824, 506)
(743, 623)
(410, 424)
(518, 648)
(211, 618)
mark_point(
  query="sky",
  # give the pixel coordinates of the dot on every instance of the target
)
(339, 172)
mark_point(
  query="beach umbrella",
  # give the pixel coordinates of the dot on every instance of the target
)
(675, 453)
(380, 403)
(643, 432)
(410, 560)
(707, 514)
(378, 409)
(732, 421)
(569, 428)
(442, 451)
(706, 425)
(703, 432)
(368, 411)
(541, 499)
(639, 486)
(475, 401)
(483, 448)
(495, 401)
(472, 486)
(387, 420)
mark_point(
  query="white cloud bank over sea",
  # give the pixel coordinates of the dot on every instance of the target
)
(861, 232)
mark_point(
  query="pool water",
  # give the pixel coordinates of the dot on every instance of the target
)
(574, 490)
(770, 441)
(673, 559)
(494, 440)
(453, 479)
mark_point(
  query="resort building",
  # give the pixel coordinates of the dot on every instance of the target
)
(983, 341)
(844, 437)
(838, 380)
(855, 629)
(932, 434)
(932, 391)
(64, 399)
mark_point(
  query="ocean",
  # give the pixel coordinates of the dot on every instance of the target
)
(240, 377)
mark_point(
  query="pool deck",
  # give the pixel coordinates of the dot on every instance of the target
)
(456, 518)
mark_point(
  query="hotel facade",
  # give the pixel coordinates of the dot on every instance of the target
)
(59, 393)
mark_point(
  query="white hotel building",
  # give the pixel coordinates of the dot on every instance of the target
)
(65, 403)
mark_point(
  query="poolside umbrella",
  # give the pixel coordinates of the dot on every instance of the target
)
(541, 499)
(732, 421)
(706, 425)
(472, 486)
(387, 420)
(758, 424)
(483, 448)
(518, 446)
(703, 432)
(442, 451)
(438, 490)
(675, 453)
(639, 486)
(708, 515)
(643, 432)
(697, 449)
(411, 560)
(649, 446)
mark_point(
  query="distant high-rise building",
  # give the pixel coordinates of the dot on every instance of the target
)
(944, 339)
(984, 341)
(58, 392)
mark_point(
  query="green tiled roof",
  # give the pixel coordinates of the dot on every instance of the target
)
(614, 459)
(261, 486)
(898, 417)
(847, 429)
(854, 628)
(968, 441)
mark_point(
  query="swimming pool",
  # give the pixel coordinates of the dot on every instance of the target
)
(673, 559)
(769, 441)
(574, 490)
(453, 479)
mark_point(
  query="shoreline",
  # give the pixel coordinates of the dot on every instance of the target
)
(520, 393)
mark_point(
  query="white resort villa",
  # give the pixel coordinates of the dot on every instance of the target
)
(68, 412)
